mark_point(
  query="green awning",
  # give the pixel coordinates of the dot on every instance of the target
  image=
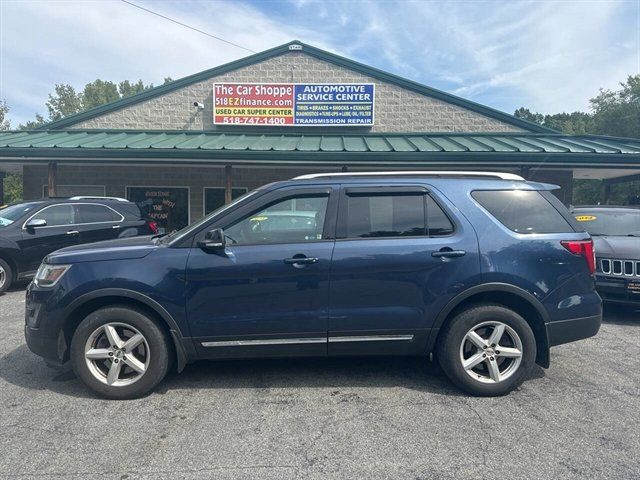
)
(300, 148)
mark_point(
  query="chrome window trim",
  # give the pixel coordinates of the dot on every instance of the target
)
(267, 341)
(310, 340)
(73, 224)
(371, 338)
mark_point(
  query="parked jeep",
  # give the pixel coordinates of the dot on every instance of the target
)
(616, 235)
(484, 270)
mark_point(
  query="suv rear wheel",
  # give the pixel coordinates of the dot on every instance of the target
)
(119, 352)
(6, 276)
(487, 350)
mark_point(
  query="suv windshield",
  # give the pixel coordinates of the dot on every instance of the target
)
(177, 234)
(12, 213)
(614, 222)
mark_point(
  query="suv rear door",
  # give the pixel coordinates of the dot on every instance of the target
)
(400, 256)
(97, 222)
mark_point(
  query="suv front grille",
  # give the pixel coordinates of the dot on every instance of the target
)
(621, 268)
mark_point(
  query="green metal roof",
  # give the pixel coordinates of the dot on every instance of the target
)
(252, 147)
(308, 50)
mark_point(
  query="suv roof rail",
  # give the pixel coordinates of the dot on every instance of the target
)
(93, 197)
(417, 173)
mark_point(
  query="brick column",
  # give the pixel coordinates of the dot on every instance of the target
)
(228, 184)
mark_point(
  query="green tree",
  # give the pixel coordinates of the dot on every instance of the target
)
(618, 112)
(613, 113)
(527, 114)
(98, 93)
(63, 102)
(5, 124)
(12, 188)
(32, 124)
(126, 88)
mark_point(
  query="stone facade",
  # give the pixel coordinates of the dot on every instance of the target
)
(396, 109)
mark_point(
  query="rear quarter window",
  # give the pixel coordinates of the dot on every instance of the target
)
(524, 211)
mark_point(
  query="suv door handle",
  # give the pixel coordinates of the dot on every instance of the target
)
(448, 253)
(73, 232)
(300, 261)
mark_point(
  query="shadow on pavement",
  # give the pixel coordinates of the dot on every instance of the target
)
(24, 369)
(621, 315)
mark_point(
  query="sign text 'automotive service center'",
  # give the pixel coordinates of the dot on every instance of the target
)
(294, 104)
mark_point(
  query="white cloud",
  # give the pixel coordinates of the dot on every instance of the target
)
(548, 56)
(44, 42)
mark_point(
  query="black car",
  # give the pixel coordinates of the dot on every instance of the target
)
(31, 230)
(616, 235)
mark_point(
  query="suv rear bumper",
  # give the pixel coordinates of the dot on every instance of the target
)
(565, 331)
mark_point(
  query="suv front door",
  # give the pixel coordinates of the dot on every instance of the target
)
(266, 293)
(399, 258)
(61, 231)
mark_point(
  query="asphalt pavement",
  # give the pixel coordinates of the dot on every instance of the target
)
(349, 418)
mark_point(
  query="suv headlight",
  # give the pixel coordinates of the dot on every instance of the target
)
(48, 275)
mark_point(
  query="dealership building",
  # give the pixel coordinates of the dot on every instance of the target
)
(185, 148)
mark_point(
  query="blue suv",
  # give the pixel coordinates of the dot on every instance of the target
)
(486, 271)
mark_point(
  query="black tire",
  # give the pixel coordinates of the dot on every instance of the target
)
(7, 279)
(159, 351)
(453, 334)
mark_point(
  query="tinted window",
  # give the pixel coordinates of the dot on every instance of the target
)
(298, 219)
(523, 211)
(616, 222)
(437, 221)
(96, 213)
(393, 215)
(57, 215)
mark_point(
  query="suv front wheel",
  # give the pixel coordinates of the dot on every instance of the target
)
(487, 350)
(120, 352)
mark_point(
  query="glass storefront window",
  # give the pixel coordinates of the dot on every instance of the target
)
(214, 197)
(167, 206)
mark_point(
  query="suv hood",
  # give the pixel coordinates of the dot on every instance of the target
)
(626, 248)
(121, 249)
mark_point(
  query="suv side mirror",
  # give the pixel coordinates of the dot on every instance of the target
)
(36, 223)
(213, 240)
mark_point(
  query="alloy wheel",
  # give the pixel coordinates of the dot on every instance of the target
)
(491, 352)
(3, 276)
(117, 354)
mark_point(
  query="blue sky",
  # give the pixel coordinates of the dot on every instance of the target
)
(547, 56)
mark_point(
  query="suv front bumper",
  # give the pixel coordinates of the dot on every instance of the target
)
(619, 289)
(43, 330)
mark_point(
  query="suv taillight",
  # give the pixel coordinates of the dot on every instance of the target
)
(583, 248)
(153, 226)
